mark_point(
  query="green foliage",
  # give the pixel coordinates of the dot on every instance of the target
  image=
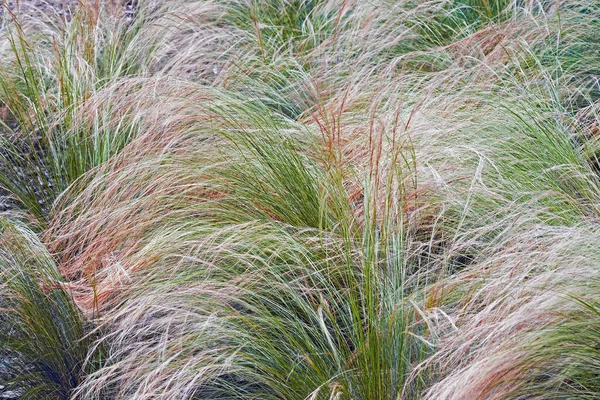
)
(44, 86)
(457, 19)
(296, 26)
(294, 199)
(43, 333)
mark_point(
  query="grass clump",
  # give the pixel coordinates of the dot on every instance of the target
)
(44, 336)
(300, 200)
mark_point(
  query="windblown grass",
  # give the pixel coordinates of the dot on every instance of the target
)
(43, 333)
(302, 200)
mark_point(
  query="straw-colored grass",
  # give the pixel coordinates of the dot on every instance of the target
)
(277, 199)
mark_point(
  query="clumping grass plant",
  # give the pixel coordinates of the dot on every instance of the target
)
(44, 336)
(277, 199)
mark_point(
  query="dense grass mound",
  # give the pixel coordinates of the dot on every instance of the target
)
(277, 199)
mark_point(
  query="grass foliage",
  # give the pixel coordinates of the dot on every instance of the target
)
(277, 199)
(44, 336)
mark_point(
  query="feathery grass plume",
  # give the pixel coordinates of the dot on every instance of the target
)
(260, 173)
(524, 166)
(43, 333)
(506, 140)
(52, 71)
(312, 199)
(508, 301)
(570, 52)
(564, 359)
(256, 319)
(259, 325)
(526, 153)
(258, 232)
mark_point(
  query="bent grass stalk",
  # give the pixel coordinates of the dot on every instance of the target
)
(301, 200)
